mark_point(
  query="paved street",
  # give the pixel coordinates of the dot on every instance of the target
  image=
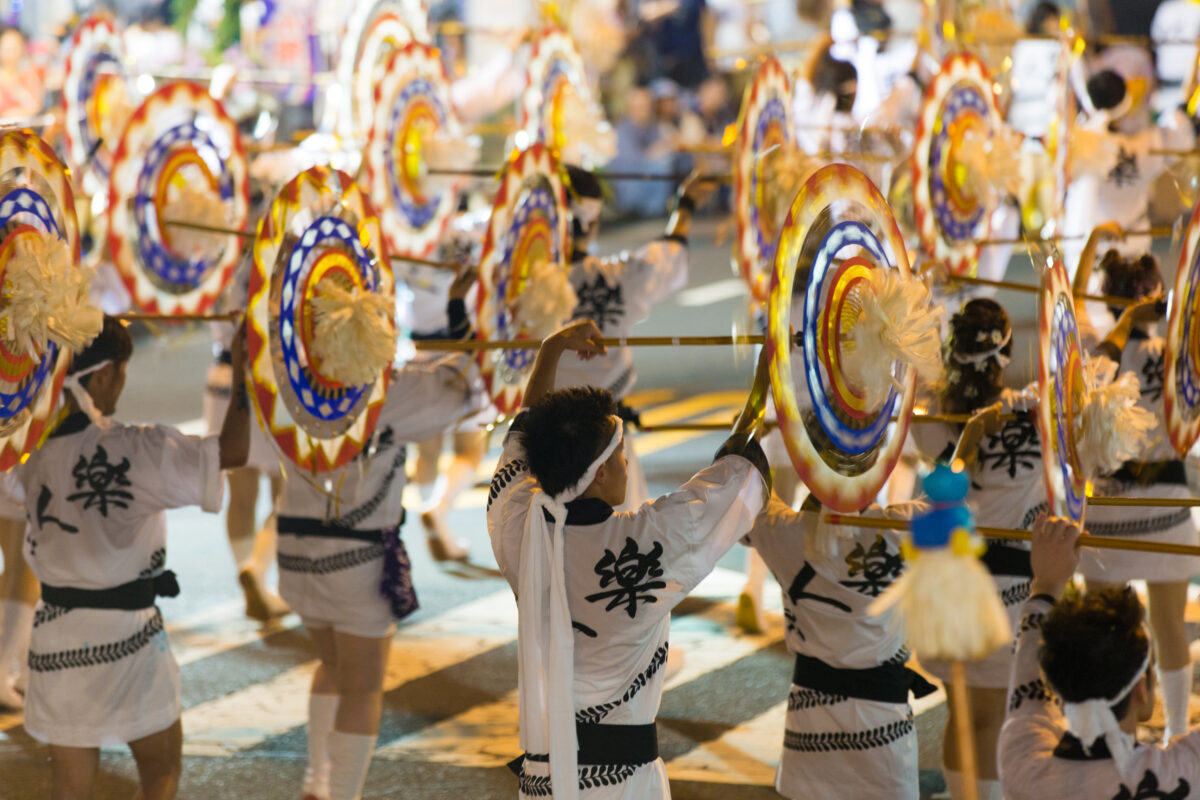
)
(450, 715)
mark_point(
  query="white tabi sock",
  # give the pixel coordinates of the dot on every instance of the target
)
(349, 760)
(1176, 687)
(956, 787)
(954, 783)
(16, 628)
(322, 708)
(989, 790)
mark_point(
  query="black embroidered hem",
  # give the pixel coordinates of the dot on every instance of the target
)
(1016, 594)
(590, 777)
(504, 476)
(842, 740)
(48, 613)
(598, 712)
(800, 698)
(158, 560)
(330, 564)
(1133, 527)
(1034, 690)
(100, 654)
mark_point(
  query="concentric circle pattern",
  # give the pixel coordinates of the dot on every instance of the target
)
(412, 105)
(837, 231)
(1060, 391)
(959, 105)
(555, 68)
(1181, 362)
(528, 226)
(179, 137)
(95, 85)
(319, 229)
(766, 122)
(35, 200)
(374, 30)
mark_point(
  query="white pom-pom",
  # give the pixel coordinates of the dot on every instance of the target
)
(354, 335)
(547, 302)
(896, 322)
(586, 136)
(987, 165)
(46, 297)
(195, 201)
(1092, 152)
(948, 603)
(1110, 427)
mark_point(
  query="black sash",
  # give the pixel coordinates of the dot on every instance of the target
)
(887, 683)
(1144, 473)
(1004, 560)
(605, 745)
(132, 596)
(306, 526)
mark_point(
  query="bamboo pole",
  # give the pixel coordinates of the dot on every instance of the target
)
(134, 316)
(962, 728)
(1014, 534)
(485, 172)
(944, 419)
(1140, 502)
(472, 345)
(1158, 231)
(1027, 287)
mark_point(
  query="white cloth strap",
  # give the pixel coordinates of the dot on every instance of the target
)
(83, 398)
(586, 211)
(545, 639)
(1094, 718)
(978, 360)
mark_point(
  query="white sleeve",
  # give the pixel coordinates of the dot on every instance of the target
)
(711, 513)
(487, 89)
(174, 470)
(427, 398)
(652, 274)
(1033, 724)
(508, 502)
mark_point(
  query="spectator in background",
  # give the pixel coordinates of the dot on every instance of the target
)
(21, 91)
(642, 147)
(676, 32)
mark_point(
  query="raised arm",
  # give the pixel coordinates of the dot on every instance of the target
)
(985, 422)
(582, 336)
(1087, 259)
(1143, 312)
(235, 430)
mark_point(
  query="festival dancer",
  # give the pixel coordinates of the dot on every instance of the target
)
(595, 587)
(1081, 683)
(344, 569)
(101, 670)
(1135, 344)
(18, 597)
(1005, 464)
(618, 291)
(849, 730)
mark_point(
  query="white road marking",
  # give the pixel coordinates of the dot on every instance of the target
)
(710, 293)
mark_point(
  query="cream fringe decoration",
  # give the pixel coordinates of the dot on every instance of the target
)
(948, 603)
(196, 202)
(46, 297)
(354, 337)
(548, 301)
(1111, 427)
(896, 322)
(785, 168)
(587, 137)
(990, 165)
(1090, 151)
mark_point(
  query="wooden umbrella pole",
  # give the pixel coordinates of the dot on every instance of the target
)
(1157, 231)
(470, 345)
(485, 172)
(1015, 534)
(962, 728)
(134, 316)
(945, 419)
(1027, 287)
(449, 266)
(1140, 502)
(196, 226)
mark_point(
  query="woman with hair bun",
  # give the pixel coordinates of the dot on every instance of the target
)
(1005, 463)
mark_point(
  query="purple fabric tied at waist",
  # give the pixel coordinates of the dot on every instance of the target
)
(397, 585)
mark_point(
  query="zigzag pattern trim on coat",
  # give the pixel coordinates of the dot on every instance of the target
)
(98, 654)
(800, 698)
(353, 518)
(1016, 594)
(1034, 690)
(847, 740)
(1134, 527)
(591, 776)
(333, 563)
(158, 560)
(48, 613)
(598, 712)
(504, 476)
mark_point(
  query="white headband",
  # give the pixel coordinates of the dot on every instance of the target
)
(545, 638)
(979, 360)
(586, 211)
(82, 398)
(1094, 718)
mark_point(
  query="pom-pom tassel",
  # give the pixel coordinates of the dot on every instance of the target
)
(896, 322)
(547, 302)
(354, 337)
(586, 136)
(46, 297)
(196, 202)
(1111, 427)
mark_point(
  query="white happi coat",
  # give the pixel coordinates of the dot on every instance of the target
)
(97, 493)
(1177, 25)
(833, 745)
(1143, 356)
(333, 581)
(1038, 759)
(1007, 491)
(617, 292)
(625, 572)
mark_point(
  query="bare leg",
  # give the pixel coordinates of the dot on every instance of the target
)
(18, 596)
(241, 524)
(73, 770)
(425, 471)
(361, 664)
(322, 711)
(750, 616)
(469, 449)
(159, 758)
(1167, 606)
(987, 716)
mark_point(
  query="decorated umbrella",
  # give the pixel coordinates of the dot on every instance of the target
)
(413, 126)
(766, 123)
(842, 285)
(180, 158)
(97, 98)
(319, 320)
(557, 106)
(374, 30)
(43, 312)
(1181, 361)
(525, 252)
(954, 159)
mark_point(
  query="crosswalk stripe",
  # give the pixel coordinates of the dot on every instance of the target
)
(219, 727)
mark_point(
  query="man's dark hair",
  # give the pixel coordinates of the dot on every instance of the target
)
(1133, 278)
(112, 344)
(1041, 13)
(970, 389)
(1092, 644)
(1106, 89)
(584, 184)
(564, 433)
(833, 75)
